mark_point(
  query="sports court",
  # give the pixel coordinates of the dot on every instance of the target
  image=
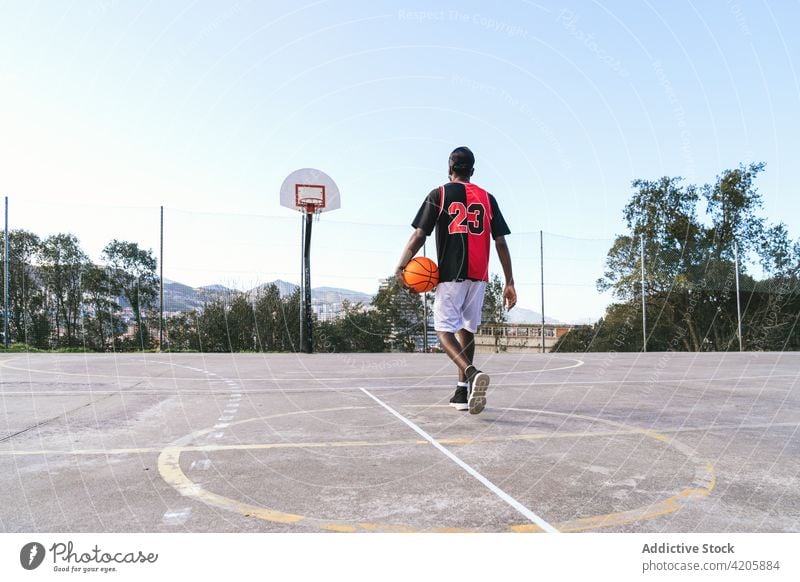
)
(658, 442)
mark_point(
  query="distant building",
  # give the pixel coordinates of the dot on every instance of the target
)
(422, 339)
(518, 337)
(326, 311)
(430, 332)
(126, 314)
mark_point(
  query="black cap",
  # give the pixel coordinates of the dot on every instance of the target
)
(462, 159)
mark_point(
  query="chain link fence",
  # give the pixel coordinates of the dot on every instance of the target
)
(229, 282)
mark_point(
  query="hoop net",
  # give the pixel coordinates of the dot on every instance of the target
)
(311, 204)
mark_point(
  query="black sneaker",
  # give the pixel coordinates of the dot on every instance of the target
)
(459, 399)
(478, 385)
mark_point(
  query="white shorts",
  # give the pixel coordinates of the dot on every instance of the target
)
(458, 305)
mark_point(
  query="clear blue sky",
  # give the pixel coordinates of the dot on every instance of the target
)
(110, 108)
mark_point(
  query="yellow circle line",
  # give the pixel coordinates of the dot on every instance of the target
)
(170, 470)
(347, 444)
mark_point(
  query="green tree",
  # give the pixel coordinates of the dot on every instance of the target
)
(689, 264)
(663, 213)
(182, 332)
(28, 321)
(277, 320)
(494, 313)
(212, 324)
(581, 338)
(365, 329)
(288, 323)
(133, 270)
(268, 326)
(357, 329)
(102, 322)
(241, 324)
(493, 309)
(402, 315)
(63, 264)
(732, 205)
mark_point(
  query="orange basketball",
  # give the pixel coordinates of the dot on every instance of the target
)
(421, 274)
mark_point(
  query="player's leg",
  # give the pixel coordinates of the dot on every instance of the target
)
(447, 322)
(451, 345)
(460, 400)
(471, 313)
(466, 340)
(454, 349)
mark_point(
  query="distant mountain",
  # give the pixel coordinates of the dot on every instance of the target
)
(319, 294)
(215, 289)
(335, 295)
(284, 287)
(180, 297)
(522, 315)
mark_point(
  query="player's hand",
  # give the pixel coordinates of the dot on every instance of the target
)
(509, 296)
(398, 275)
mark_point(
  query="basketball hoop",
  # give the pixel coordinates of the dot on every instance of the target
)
(310, 192)
(311, 206)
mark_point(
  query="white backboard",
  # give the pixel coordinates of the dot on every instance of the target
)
(309, 183)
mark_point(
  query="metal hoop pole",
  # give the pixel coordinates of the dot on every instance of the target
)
(308, 339)
(302, 281)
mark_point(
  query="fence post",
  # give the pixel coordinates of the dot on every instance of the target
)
(161, 284)
(5, 282)
(738, 301)
(644, 291)
(541, 265)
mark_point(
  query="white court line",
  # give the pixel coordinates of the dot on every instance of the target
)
(393, 387)
(4, 364)
(175, 518)
(488, 484)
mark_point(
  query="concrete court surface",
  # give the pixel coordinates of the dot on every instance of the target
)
(367, 442)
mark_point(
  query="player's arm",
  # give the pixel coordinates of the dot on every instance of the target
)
(412, 247)
(509, 292)
(423, 225)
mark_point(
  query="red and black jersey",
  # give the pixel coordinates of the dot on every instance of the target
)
(466, 218)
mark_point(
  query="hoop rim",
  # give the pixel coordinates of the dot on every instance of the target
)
(314, 205)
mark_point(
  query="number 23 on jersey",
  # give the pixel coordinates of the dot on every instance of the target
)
(466, 218)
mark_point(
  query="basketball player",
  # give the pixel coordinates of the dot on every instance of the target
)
(466, 218)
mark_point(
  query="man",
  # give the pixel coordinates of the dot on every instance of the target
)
(466, 218)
